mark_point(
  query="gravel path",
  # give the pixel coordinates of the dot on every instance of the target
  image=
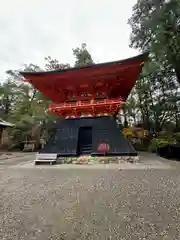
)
(89, 204)
(16, 158)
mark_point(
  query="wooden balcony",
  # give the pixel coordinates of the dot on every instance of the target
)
(86, 108)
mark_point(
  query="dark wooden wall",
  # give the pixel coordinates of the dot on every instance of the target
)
(64, 141)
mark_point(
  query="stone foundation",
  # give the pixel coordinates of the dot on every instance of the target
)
(98, 160)
(130, 159)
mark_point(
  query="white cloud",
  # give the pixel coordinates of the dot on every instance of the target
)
(31, 30)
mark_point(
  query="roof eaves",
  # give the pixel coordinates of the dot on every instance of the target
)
(142, 57)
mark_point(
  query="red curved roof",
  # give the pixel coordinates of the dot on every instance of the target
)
(107, 80)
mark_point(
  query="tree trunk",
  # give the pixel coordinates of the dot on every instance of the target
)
(177, 71)
(1, 130)
(125, 116)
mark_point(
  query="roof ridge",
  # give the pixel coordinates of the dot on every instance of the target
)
(143, 57)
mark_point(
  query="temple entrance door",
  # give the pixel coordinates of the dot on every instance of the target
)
(85, 140)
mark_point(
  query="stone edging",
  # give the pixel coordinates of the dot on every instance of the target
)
(98, 160)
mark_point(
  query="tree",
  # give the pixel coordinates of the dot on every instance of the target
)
(156, 96)
(156, 28)
(82, 56)
(54, 64)
(7, 97)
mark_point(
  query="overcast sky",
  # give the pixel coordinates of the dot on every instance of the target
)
(33, 29)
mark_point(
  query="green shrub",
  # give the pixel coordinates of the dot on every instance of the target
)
(157, 143)
(177, 137)
(140, 147)
(162, 142)
(153, 146)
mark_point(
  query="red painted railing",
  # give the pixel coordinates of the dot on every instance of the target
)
(90, 108)
(83, 104)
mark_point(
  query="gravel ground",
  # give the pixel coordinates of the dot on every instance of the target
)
(15, 158)
(89, 204)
